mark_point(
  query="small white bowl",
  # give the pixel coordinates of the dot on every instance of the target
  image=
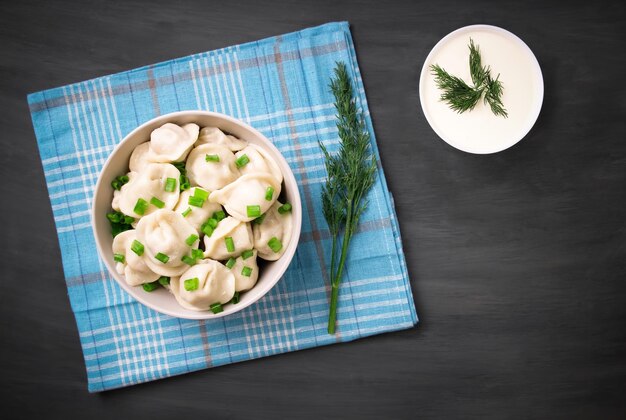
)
(479, 131)
(162, 300)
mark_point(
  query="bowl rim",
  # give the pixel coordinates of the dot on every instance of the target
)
(532, 117)
(286, 257)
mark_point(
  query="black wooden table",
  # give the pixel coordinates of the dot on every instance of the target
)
(517, 260)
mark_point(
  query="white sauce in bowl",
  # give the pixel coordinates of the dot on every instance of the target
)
(479, 130)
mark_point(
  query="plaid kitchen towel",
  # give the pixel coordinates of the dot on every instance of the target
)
(280, 86)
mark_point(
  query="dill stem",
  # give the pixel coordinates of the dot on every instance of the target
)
(336, 280)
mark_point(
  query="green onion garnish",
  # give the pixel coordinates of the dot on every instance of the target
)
(269, 193)
(195, 201)
(212, 222)
(199, 193)
(140, 206)
(157, 203)
(188, 260)
(119, 258)
(137, 247)
(285, 208)
(242, 161)
(219, 215)
(162, 257)
(260, 219)
(253, 211)
(247, 254)
(116, 185)
(119, 181)
(191, 239)
(186, 212)
(150, 287)
(230, 263)
(164, 281)
(212, 158)
(128, 220)
(230, 244)
(216, 308)
(235, 299)
(275, 244)
(170, 185)
(197, 254)
(206, 229)
(192, 284)
(246, 271)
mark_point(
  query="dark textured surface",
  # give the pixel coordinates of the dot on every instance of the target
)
(517, 260)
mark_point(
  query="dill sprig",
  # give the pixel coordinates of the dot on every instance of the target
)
(462, 97)
(351, 173)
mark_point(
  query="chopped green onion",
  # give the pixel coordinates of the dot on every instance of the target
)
(285, 208)
(242, 161)
(115, 216)
(212, 158)
(269, 193)
(191, 239)
(192, 284)
(260, 219)
(116, 185)
(216, 308)
(197, 254)
(275, 244)
(206, 229)
(184, 184)
(247, 254)
(162, 257)
(150, 287)
(164, 281)
(230, 244)
(157, 203)
(186, 212)
(200, 193)
(219, 215)
(123, 179)
(188, 260)
(195, 201)
(137, 247)
(246, 271)
(170, 185)
(235, 299)
(184, 181)
(212, 222)
(140, 206)
(119, 258)
(230, 263)
(253, 211)
(119, 181)
(128, 220)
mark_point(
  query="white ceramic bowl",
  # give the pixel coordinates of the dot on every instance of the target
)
(479, 131)
(162, 300)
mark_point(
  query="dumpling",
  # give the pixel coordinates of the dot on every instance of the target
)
(272, 235)
(150, 186)
(213, 135)
(211, 174)
(139, 158)
(167, 238)
(133, 267)
(196, 216)
(259, 161)
(204, 284)
(245, 270)
(172, 143)
(218, 246)
(247, 197)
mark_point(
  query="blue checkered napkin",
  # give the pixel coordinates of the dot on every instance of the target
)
(280, 86)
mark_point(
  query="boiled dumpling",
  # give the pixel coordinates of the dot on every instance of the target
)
(259, 161)
(204, 284)
(213, 135)
(167, 238)
(213, 174)
(273, 234)
(245, 270)
(149, 186)
(172, 143)
(218, 246)
(196, 216)
(247, 197)
(139, 158)
(133, 267)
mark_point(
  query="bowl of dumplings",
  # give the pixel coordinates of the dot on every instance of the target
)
(196, 214)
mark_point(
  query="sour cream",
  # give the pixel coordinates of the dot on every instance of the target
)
(479, 130)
